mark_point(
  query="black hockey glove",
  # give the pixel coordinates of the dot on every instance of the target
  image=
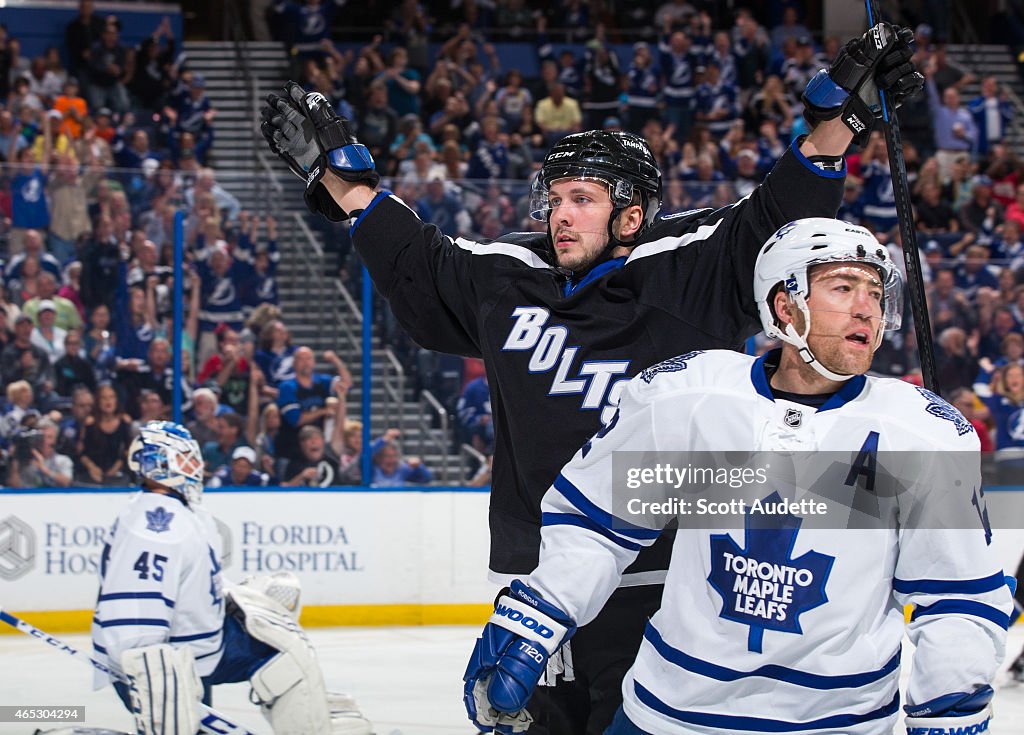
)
(345, 155)
(292, 138)
(289, 134)
(877, 60)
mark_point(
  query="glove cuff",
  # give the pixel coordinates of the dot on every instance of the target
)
(825, 99)
(354, 164)
(352, 157)
(972, 723)
(318, 199)
(523, 613)
(958, 704)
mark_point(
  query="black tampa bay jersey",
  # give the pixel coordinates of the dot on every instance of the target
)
(558, 357)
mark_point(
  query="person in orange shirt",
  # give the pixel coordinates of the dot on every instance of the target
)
(73, 108)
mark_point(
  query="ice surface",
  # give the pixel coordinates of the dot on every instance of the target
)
(407, 680)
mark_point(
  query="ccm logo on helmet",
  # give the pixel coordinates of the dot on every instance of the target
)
(559, 154)
(516, 616)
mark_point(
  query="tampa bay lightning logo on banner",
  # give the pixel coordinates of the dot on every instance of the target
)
(938, 408)
(671, 365)
(760, 584)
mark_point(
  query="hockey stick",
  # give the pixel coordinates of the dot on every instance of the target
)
(908, 235)
(213, 722)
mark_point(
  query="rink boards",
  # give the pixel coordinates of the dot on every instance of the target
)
(364, 557)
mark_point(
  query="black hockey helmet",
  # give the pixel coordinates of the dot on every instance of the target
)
(622, 160)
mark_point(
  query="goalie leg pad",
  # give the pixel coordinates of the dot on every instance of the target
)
(290, 686)
(165, 689)
(283, 587)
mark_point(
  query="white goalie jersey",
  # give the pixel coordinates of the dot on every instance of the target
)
(770, 623)
(160, 583)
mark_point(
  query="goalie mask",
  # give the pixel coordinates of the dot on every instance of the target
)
(785, 261)
(165, 453)
(621, 161)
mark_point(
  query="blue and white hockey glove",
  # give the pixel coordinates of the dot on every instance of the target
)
(951, 714)
(877, 60)
(509, 658)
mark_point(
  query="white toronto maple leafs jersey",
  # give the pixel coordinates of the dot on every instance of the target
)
(773, 624)
(160, 582)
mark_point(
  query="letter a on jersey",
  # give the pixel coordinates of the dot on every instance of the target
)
(761, 585)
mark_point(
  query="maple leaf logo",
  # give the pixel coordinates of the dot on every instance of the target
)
(158, 520)
(671, 365)
(760, 584)
(938, 408)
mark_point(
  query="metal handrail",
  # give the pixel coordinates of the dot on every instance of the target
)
(301, 224)
(346, 296)
(428, 404)
(272, 180)
(268, 179)
(394, 393)
(312, 260)
(468, 452)
(348, 321)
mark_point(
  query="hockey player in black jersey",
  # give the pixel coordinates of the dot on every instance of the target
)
(563, 318)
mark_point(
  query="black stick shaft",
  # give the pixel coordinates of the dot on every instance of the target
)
(908, 236)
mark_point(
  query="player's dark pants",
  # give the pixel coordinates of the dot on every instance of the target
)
(602, 652)
(242, 655)
(622, 725)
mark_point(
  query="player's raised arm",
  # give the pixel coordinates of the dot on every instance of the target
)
(424, 275)
(842, 103)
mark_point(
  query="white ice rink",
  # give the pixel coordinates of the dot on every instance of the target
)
(407, 680)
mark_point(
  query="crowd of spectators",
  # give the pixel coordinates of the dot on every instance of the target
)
(100, 146)
(718, 100)
(103, 144)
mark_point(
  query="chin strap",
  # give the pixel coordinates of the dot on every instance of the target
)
(800, 341)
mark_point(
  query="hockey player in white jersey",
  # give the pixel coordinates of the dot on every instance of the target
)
(816, 650)
(165, 617)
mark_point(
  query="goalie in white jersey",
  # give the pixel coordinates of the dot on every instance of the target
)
(817, 650)
(165, 617)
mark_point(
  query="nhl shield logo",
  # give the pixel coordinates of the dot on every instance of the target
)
(793, 418)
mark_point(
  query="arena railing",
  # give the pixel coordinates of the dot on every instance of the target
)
(431, 407)
(472, 460)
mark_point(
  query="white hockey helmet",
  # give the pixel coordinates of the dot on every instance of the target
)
(787, 256)
(166, 453)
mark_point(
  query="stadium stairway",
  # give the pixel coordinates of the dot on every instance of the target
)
(992, 59)
(317, 310)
